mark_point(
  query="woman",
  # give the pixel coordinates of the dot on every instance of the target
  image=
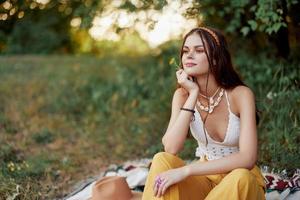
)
(220, 111)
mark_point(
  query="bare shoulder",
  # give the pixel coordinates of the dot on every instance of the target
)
(242, 96)
(242, 92)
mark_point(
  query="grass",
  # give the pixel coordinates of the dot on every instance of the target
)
(66, 118)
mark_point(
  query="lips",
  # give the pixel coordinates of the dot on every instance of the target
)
(190, 64)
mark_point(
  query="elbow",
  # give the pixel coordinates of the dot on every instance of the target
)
(250, 165)
(250, 162)
(171, 151)
(247, 160)
(170, 148)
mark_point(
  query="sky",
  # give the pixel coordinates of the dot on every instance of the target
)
(169, 23)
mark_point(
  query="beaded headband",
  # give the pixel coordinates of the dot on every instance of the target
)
(212, 34)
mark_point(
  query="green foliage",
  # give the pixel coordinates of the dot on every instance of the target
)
(265, 16)
(39, 37)
(36, 27)
(143, 4)
(276, 84)
(281, 138)
(268, 17)
(43, 137)
(8, 153)
(7, 125)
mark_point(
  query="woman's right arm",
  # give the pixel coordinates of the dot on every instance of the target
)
(173, 139)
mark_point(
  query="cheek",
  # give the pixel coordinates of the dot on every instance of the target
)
(202, 58)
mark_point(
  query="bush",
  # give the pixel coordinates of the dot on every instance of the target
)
(276, 84)
(38, 36)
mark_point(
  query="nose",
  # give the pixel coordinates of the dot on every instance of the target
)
(190, 54)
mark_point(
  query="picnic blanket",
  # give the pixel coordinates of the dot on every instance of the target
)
(279, 186)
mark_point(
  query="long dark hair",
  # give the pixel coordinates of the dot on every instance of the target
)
(219, 59)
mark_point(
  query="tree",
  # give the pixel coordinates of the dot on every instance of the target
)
(42, 26)
(273, 19)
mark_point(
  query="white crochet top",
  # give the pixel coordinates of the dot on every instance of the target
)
(215, 149)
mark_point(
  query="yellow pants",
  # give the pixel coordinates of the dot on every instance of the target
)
(238, 184)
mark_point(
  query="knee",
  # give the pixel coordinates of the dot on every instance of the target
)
(242, 176)
(159, 155)
(166, 158)
(162, 154)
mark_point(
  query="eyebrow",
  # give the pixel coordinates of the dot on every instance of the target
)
(194, 46)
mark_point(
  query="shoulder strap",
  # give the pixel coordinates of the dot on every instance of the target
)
(227, 100)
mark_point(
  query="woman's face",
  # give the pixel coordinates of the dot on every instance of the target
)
(194, 59)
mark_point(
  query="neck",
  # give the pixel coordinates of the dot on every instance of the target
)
(211, 87)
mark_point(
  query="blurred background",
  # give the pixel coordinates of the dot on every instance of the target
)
(88, 83)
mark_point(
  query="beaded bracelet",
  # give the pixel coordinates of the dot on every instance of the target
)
(190, 110)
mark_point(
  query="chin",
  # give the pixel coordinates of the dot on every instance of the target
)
(192, 71)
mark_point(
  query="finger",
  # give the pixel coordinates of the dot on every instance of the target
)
(181, 73)
(182, 77)
(155, 182)
(178, 72)
(159, 192)
(157, 186)
(155, 189)
(166, 186)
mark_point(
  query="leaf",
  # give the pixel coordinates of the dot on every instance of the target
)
(253, 8)
(245, 30)
(253, 24)
(277, 26)
(280, 11)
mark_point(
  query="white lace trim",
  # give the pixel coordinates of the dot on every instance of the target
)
(212, 152)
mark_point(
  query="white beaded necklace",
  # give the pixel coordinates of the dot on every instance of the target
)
(211, 99)
(212, 103)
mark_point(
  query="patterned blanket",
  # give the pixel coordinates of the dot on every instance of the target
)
(279, 186)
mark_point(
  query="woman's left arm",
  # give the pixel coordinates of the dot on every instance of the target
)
(247, 155)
